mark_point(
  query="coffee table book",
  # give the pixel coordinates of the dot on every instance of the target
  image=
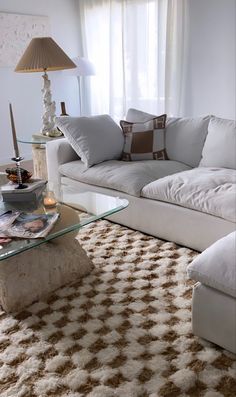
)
(32, 192)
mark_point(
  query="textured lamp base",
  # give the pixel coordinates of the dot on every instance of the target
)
(49, 107)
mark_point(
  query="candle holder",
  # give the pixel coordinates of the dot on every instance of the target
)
(19, 178)
(49, 200)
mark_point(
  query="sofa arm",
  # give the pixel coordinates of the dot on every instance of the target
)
(58, 152)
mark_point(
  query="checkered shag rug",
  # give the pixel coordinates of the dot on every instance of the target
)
(122, 331)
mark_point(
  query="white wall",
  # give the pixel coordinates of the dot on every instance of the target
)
(211, 72)
(24, 90)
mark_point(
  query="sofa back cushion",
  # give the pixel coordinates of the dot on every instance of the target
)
(138, 116)
(144, 140)
(94, 139)
(185, 137)
(220, 147)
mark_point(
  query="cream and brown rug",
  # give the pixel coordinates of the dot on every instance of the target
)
(122, 331)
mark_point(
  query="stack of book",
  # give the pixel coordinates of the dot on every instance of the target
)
(32, 192)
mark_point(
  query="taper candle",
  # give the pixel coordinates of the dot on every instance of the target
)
(15, 144)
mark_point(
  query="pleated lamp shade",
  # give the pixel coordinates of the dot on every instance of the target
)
(43, 54)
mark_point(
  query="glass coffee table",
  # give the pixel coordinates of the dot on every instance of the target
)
(30, 269)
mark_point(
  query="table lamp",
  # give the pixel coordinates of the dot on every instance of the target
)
(42, 55)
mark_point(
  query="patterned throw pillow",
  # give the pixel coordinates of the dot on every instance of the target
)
(144, 141)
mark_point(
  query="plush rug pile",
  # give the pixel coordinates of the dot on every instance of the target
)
(122, 331)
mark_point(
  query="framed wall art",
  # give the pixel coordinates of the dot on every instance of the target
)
(16, 31)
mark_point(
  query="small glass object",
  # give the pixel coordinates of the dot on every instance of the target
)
(19, 177)
(53, 133)
(49, 199)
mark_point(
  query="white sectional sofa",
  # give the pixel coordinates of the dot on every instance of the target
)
(189, 199)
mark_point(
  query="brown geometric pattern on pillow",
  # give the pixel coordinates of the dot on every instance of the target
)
(144, 141)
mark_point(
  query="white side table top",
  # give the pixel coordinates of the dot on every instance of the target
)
(38, 139)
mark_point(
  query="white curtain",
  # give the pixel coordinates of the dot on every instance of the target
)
(138, 49)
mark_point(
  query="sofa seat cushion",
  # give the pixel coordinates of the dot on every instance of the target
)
(209, 190)
(216, 266)
(122, 176)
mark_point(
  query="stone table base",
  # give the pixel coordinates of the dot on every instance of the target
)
(39, 161)
(33, 274)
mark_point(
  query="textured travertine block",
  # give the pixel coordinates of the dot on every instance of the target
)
(39, 160)
(34, 274)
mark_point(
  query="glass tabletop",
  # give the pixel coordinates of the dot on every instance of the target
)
(37, 139)
(75, 211)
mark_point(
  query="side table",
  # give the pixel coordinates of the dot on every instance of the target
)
(38, 142)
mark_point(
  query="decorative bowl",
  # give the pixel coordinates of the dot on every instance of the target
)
(12, 174)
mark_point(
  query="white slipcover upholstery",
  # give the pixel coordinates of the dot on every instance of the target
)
(138, 116)
(185, 138)
(216, 266)
(128, 177)
(214, 295)
(58, 152)
(171, 221)
(95, 139)
(209, 190)
(214, 316)
(220, 147)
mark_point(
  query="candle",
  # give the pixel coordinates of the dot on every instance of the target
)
(49, 200)
(14, 132)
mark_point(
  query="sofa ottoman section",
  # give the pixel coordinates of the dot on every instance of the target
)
(214, 316)
(214, 295)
